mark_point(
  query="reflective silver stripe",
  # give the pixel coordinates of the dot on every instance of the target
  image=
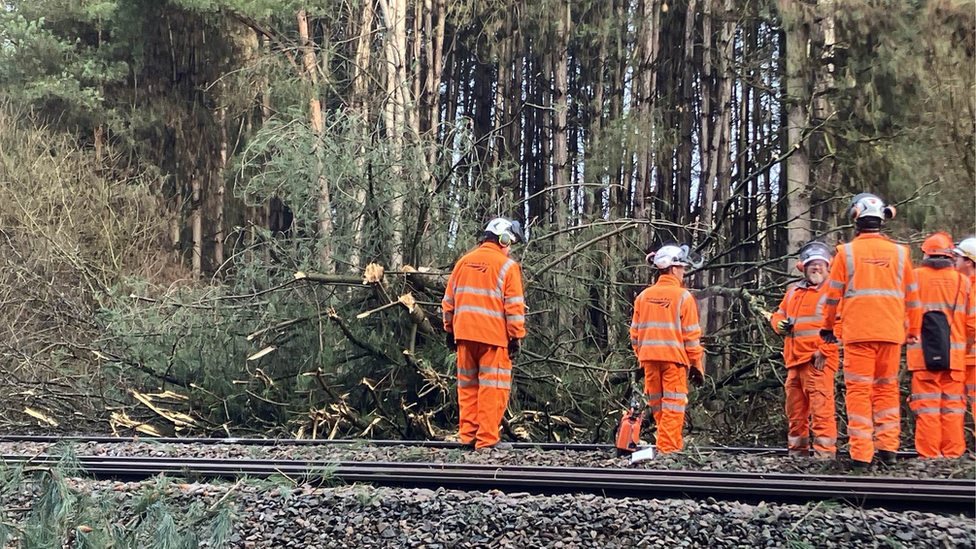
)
(881, 414)
(913, 287)
(860, 419)
(477, 291)
(836, 284)
(663, 325)
(691, 328)
(804, 333)
(858, 433)
(825, 441)
(677, 313)
(471, 372)
(495, 383)
(953, 397)
(479, 310)
(633, 341)
(467, 382)
(954, 411)
(901, 271)
(448, 299)
(799, 441)
(914, 346)
(692, 344)
(970, 387)
(926, 396)
(933, 306)
(514, 318)
(654, 407)
(913, 304)
(883, 427)
(927, 411)
(874, 292)
(813, 318)
(448, 316)
(514, 300)
(780, 312)
(832, 302)
(495, 371)
(661, 343)
(849, 261)
(885, 380)
(668, 394)
(957, 346)
(654, 396)
(500, 283)
(848, 376)
(673, 407)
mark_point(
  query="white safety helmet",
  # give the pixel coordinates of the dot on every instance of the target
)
(967, 248)
(671, 255)
(507, 230)
(812, 251)
(867, 205)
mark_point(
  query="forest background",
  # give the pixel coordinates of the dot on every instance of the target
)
(191, 192)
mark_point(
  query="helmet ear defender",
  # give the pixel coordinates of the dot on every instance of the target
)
(505, 239)
(889, 212)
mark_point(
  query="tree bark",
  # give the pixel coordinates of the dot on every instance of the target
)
(797, 28)
(310, 75)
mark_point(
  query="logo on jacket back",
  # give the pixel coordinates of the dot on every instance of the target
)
(877, 261)
(481, 267)
(660, 301)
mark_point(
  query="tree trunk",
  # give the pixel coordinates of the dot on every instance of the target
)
(196, 221)
(310, 75)
(797, 28)
(394, 47)
(560, 156)
(359, 74)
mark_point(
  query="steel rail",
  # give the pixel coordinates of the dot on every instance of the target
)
(440, 444)
(929, 494)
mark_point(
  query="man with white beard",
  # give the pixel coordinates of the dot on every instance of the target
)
(811, 363)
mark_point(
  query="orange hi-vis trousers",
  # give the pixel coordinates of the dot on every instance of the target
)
(873, 404)
(484, 383)
(666, 387)
(971, 388)
(810, 392)
(940, 411)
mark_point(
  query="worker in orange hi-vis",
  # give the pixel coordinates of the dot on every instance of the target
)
(938, 360)
(874, 277)
(666, 337)
(965, 253)
(484, 317)
(811, 363)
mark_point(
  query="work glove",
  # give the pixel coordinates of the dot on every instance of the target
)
(819, 360)
(828, 336)
(451, 342)
(784, 327)
(696, 377)
(514, 346)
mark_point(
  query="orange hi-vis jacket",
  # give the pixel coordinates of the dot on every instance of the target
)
(970, 339)
(948, 291)
(484, 300)
(803, 307)
(874, 277)
(665, 326)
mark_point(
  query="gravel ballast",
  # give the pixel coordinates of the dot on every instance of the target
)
(267, 516)
(690, 459)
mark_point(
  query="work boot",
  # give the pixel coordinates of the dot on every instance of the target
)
(500, 446)
(888, 457)
(821, 455)
(468, 445)
(859, 467)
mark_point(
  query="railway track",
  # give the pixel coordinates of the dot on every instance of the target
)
(546, 446)
(956, 496)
